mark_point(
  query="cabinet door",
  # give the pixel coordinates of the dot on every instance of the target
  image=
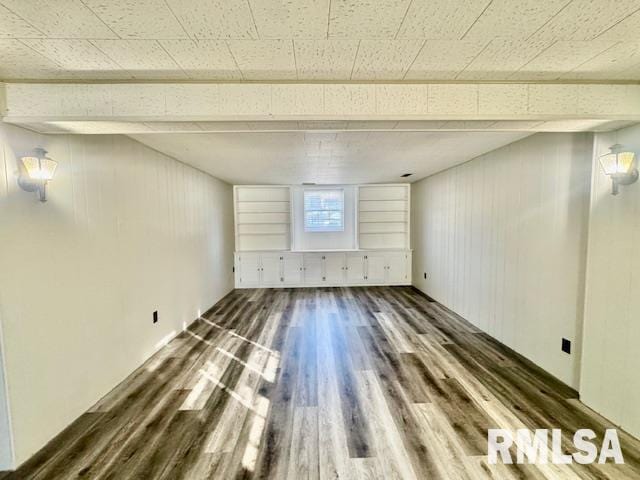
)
(334, 268)
(248, 269)
(313, 268)
(397, 267)
(270, 269)
(376, 267)
(355, 268)
(292, 268)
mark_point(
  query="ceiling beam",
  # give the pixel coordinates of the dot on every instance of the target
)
(33, 102)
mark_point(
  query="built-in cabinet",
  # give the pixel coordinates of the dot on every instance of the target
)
(299, 269)
(267, 254)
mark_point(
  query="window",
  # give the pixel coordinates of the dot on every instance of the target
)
(323, 210)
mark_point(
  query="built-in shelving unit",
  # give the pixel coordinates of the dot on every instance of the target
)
(263, 217)
(383, 216)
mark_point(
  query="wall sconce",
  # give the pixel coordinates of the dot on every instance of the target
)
(35, 173)
(620, 166)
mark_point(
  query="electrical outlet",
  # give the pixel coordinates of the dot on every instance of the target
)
(425, 275)
(155, 317)
(566, 346)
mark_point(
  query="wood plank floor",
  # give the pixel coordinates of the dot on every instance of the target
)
(348, 383)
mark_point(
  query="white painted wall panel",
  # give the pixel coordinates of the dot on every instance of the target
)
(610, 382)
(126, 231)
(502, 239)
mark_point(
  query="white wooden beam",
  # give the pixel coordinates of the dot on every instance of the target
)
(31, 102)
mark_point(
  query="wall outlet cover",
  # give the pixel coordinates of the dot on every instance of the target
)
(566, 346)
(155, 317)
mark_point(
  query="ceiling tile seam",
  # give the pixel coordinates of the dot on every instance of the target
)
(549, 20)
(472, 60)
(476, 20)
(404, 17)
(226, 43)
(616, 23)
(253, 19)
(25, 20)
(109, 57)
(42, 54)
(176, 19)
(295, 61)
(532, 59)
(328, 19)
(408, 69)
(589, 59)
(355, 59)
(100, 19)
(173, 59)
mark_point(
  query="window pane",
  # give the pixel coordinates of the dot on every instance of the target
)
(323, 210)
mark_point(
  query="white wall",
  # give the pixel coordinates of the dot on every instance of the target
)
(345, 240)
(502, 239)
(6, 440)
(126, 231)
(610, 380)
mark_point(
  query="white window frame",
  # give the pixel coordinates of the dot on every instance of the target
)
(304, 210)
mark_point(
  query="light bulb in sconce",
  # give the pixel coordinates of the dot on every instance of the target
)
(620, 166)
(35, 172)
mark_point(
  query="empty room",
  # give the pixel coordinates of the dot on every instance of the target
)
(319, 239)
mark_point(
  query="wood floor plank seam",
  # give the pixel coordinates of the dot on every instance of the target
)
(323, 383)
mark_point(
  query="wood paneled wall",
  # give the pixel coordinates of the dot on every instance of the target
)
(126, 231)
(502, 240)
(610, 382)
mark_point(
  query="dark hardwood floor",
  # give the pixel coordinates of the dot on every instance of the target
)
(353, 383)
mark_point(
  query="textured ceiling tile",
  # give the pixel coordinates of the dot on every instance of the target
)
(561, 57)
(631, 73)
(627, 29)
(12, 26)
(138, 18)
(78, 57)
(586, 19)
(193, 100)
(518, 20)
(22, 62)
(215, 19)
(60, 18)
(501, 58)
(366, 18)
(402, 99)
(325, 59)
(496, 99)
(443, 59)
(144, 59)
(453, 99)
(245, 99)
(385, 59)
(264, 59)
(349, 99)
(203, 59)
(138, 99)
(441, 19)
(291, 18)
(609, 64)
(297, 99)
(552, 99)
(600, 99)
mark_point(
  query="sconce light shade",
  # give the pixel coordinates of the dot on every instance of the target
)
(39, 168)
(35, 172)
(620, 166)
